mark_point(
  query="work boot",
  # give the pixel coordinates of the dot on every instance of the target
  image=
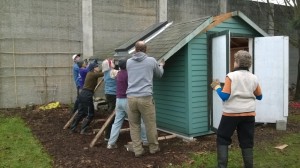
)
(85, 132)
(137, 155)
(222, 152)
(74, 124)
(129, 147)
(85, 125)
(248, 157)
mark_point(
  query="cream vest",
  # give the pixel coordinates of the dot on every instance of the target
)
(242, 98)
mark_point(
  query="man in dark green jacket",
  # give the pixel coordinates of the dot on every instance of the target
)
(86, 106)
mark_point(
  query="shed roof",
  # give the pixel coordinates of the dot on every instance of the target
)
(174, 37)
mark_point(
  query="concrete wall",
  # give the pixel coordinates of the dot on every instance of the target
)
(38, 38)
(180, 11)
(116, 21)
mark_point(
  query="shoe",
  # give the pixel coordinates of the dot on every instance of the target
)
(137, 155)
(155, 151)
(72, 131)
(145, 144)
(83, 132)
(112, 146)
(129, 147)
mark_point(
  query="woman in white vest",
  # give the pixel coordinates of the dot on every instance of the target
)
(239, 94)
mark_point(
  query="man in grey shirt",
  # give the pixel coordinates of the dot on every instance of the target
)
(141, 68)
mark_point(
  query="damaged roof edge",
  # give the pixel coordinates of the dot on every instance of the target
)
(184, 41)
(141, 36)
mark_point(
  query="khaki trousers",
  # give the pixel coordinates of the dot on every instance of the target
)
(142, 107)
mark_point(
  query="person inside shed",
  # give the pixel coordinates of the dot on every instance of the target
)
(141, 69)
(76, 77)
(86, 106)
(110, 89)
(238, 95)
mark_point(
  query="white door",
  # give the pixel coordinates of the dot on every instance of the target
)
(271, 66)
(220, 59)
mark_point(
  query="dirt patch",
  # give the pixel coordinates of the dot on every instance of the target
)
(72, 150)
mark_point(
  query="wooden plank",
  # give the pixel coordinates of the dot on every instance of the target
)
(70, 120)
(219, 19)
(121, 130)
(102, 129)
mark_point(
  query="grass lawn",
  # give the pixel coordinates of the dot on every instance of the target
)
(18, 147)
(265, 155)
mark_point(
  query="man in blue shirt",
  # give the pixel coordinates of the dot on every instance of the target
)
(76, 77)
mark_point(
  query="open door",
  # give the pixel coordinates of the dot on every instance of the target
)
(220, 58)
(271, 66)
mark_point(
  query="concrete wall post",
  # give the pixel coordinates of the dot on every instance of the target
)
(271, 20)
(162, 14)
(223, 6)
(87, 28)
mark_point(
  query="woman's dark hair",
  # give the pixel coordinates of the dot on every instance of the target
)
(80, 63)
(122, 63)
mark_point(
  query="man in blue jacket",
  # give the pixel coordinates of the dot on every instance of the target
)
(76, 77)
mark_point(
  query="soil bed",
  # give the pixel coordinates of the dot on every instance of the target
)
(72, 150)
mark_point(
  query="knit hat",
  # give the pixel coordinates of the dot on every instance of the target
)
(92, 66)
(122, 63)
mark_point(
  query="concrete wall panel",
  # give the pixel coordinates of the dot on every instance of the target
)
(37, 41)
(115, 22)
(180, 11)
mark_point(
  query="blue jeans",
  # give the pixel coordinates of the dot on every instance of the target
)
(121, 114)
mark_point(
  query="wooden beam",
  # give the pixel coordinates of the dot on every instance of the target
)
(163, 137)
(121, 130)
(102, 129)
(219, 19)
(70, 120)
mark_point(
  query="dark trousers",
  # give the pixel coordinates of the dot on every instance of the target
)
(244, 127)
(85, 109)
(111, 101)
(76, 104)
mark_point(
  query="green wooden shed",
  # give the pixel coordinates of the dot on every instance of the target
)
(196, 52)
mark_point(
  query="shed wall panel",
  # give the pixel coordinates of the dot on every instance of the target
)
(197, 52)
(170, 92)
